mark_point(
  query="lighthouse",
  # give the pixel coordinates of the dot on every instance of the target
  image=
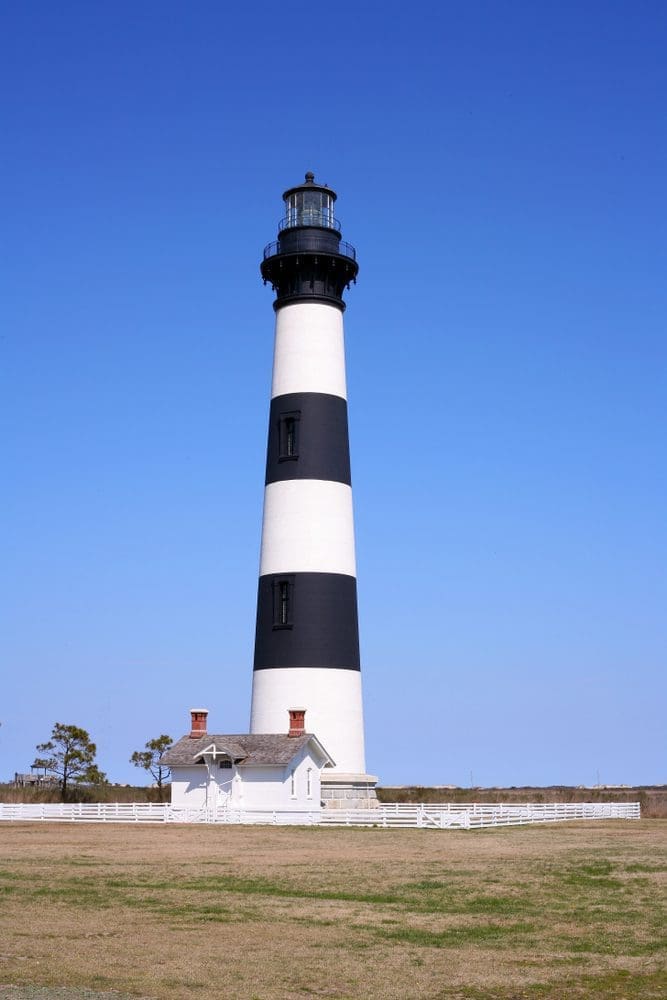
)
(307, 633)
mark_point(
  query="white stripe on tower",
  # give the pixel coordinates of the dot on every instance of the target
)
(307, 640)
(309, 350)
(307, 528)
(334, 709)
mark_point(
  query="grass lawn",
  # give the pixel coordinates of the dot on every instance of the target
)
(260, 913)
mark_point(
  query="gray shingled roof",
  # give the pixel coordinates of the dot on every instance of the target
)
(248, 749)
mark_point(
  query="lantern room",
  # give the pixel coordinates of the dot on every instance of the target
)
(310, 204)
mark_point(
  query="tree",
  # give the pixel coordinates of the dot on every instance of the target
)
(70, 754)
(150, 758)
(93, 776)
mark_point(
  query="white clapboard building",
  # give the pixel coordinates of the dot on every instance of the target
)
(248, 770)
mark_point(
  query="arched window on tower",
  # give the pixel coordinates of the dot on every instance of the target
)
(283, 602)
(288, 436)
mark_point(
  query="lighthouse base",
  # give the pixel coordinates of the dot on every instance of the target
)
(348, 791)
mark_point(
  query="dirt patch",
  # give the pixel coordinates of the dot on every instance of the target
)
(41, 993)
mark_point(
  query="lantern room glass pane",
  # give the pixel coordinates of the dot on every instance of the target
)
(309, 208)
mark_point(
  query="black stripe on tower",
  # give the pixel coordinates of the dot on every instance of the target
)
(307, 620)
(308, 438)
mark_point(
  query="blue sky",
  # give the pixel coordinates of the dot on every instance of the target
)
(501, 170)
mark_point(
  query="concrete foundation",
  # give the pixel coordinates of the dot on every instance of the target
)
(349, 791)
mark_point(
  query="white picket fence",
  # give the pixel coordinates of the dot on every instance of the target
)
(477, 815)
(150, 812)
(88, 812)
(439, 816)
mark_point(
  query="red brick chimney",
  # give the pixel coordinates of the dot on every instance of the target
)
(198, 718)
(297, 721)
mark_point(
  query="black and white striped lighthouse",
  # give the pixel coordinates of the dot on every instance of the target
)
(307, 638)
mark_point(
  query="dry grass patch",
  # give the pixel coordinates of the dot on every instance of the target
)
(267, 913)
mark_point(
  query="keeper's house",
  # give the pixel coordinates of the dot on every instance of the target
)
(260, 770)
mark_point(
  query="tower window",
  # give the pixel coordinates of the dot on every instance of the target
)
(288, 436)
(283, 602)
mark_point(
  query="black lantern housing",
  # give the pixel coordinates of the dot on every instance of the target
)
(309, 262)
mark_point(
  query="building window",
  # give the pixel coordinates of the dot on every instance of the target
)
(225, 763)
(309, 782)
(283, 602)
(293, 783)
(288, 436)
